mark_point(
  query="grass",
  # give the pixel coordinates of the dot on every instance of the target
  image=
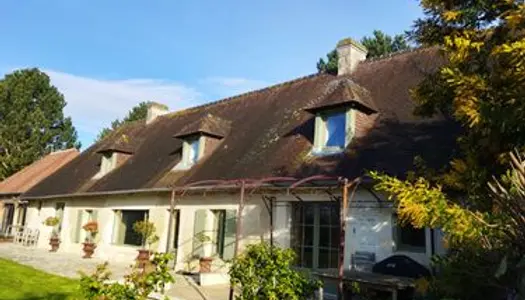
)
(19, 282)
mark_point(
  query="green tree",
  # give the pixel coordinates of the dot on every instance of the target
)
(32, 121)
(138, 112)
(379, 44)
(481, 87)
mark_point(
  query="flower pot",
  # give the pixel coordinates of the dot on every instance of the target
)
(143, 257)
(54, 242)
(205, 264)
(89, 249)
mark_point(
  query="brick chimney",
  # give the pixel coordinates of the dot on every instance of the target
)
(155, 110)
(350, 53)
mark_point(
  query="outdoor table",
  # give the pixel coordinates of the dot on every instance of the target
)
(389, 283)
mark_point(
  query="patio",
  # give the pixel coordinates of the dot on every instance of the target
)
(68, 265)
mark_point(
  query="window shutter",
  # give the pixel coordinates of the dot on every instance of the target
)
(118, 228)
(94, 215)
(78, 226)
(199, 225)
(230, 228)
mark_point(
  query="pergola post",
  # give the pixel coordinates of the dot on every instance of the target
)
(238, 229)
(342, 232)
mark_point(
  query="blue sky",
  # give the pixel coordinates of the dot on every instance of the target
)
(106, 56)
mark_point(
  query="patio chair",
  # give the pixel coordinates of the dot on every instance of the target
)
(32, 237)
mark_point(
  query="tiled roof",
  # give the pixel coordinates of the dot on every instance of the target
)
(31, 175)
(270, 133)
(209, 124)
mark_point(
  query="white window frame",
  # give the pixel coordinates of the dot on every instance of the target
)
(320, 134)
(186, 161)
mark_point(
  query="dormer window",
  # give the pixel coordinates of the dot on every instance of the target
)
(191, 151)
(333, 131)
(335, 115)
(108, 162)
(200, 137)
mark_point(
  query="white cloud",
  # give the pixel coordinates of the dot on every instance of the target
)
(229, 86)
(94, 103)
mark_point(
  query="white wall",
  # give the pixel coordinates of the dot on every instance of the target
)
(369, 226)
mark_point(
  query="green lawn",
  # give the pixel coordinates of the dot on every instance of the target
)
(19, 282)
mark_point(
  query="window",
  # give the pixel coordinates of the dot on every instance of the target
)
(333, 131)
(215, 228)
(108, 162)
(123, 233)
(408, 238)
(194, 150)
(315, 236)
(83, 216)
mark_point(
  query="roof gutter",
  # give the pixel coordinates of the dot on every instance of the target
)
(93, 194)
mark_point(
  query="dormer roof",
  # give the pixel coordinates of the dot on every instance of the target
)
(344, 92)
(208, 125)
(125, 139)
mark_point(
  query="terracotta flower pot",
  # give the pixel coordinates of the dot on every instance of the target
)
(89, 249)
(205, 264)
(143, 257)
(55, 243)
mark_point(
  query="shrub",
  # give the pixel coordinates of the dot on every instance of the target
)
(265, 272)
(136, 286)
(147, 231)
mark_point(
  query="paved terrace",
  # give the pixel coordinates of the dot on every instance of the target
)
(68, 265)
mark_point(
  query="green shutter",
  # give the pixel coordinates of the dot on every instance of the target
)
(230, 228)
(118, 228)
(94, 215)
(78, 226)
(199, 225)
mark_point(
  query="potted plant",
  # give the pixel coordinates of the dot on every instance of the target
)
(54, 240)
(146, 230)
(204, 261)
(91, 229)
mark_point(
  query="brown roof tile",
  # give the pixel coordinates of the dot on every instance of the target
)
(271, 134)
(31, 175)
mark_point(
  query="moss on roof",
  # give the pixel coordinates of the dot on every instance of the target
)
(350, 41)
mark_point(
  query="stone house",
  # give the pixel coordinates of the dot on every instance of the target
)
(13, 211)
(321, 125)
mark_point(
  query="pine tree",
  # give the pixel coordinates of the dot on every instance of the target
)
(138, 112)
(32, 122)
(379, 44)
